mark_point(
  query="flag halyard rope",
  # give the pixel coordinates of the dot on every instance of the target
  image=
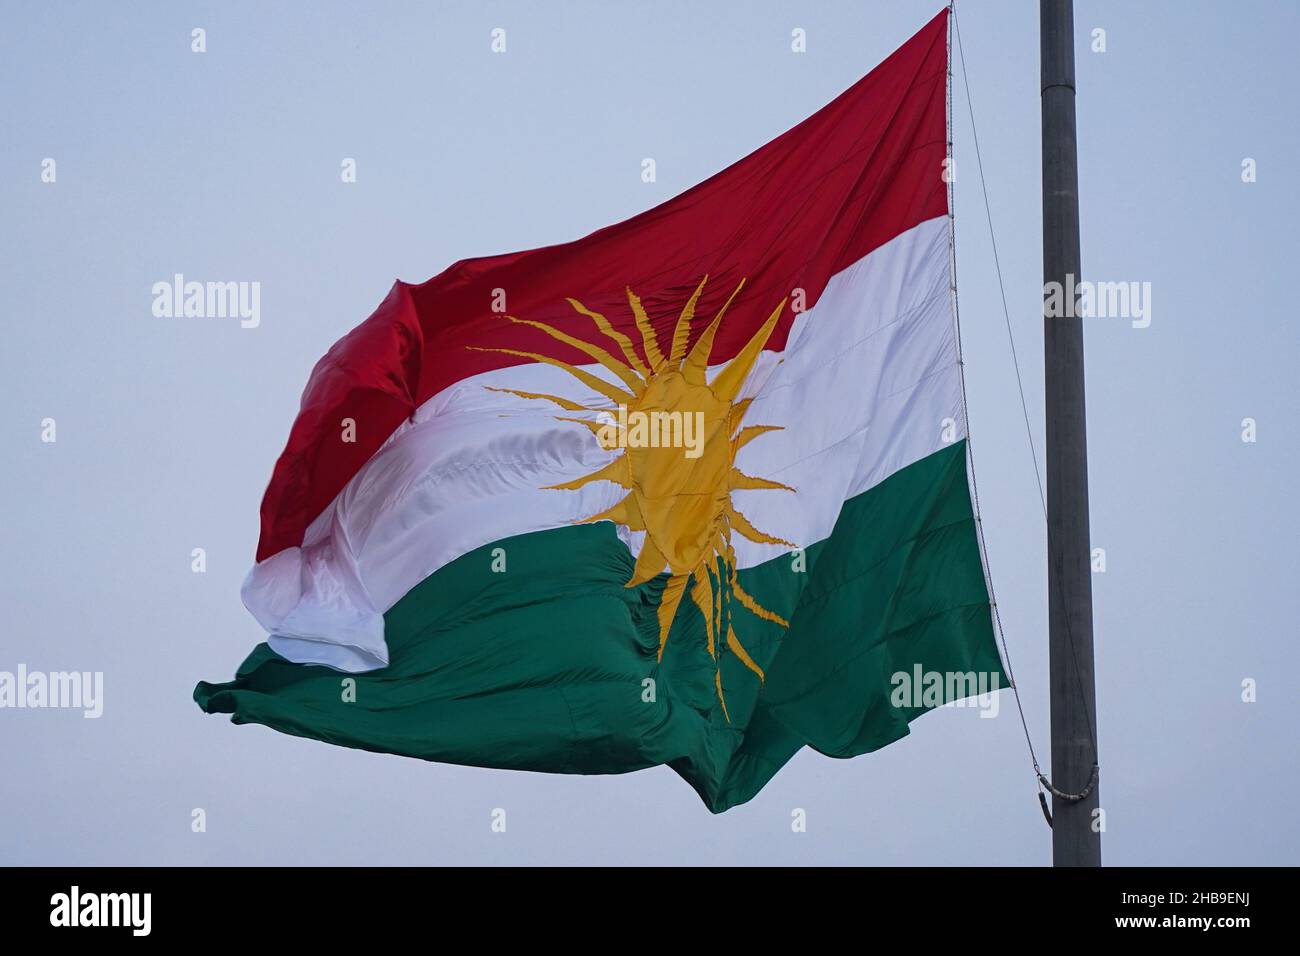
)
(1044, 784)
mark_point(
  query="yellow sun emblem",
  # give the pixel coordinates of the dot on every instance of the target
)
(682, 502)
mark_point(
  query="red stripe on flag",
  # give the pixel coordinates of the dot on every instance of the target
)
(792, 214)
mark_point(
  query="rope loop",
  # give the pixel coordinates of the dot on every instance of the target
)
(1071, 797)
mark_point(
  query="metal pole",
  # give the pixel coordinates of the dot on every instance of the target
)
(1076, 840)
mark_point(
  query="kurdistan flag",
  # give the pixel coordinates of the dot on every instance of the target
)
(687, 491)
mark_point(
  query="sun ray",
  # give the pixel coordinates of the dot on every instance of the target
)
(615, 471)
(626, 512)
(697, 362)
(722, 547)
(702, 595)
(750, 432)
(741, 524)
(610, 391)
(651, 344)
(682, 333)
(720, 597)
(562, 402)
(668, 603)
(624, 343)
(727, 385)
(734, 645)
(629, 377)
(741, 480)
(738, 411)
(648, 563)
(754, 607)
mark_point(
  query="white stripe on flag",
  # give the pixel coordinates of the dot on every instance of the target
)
(864, 387)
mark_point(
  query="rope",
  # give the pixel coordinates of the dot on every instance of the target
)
(1042, 780)
(1083, 794)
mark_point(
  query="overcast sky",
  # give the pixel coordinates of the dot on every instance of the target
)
(225, 166)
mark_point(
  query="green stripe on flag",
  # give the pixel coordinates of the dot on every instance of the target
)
(544, 666)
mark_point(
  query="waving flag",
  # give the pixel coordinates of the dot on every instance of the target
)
(691, 490)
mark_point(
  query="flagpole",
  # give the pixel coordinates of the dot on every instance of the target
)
(1076, 837)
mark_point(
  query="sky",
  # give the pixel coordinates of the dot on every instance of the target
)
(226, 165)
